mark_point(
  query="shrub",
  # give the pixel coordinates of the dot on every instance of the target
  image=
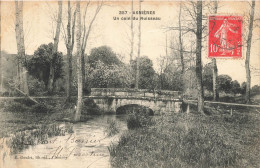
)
(138, 119)
(112, 128)
(13, 106)
(91, 108)
(40, 108)
(35, 86)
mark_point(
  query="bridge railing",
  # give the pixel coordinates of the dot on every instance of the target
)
(136, 93)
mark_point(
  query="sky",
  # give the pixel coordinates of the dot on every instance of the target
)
(39, 25)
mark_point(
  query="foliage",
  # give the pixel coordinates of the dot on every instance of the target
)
(90, 107)
(105, 76)
(15, 106)
(191, 141)
(171, 82)
(243, 88)
(139, 118)
(170, 76)
(207, 77)
(224, 83)
(235, 87)
(103, 54)
(35, 86)
(40, 108)
(146, 73)
(112, 128)
(255, 89)
(39, 64)
(38, 135)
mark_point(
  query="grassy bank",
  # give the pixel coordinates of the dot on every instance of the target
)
(22, 114)
(181, 140)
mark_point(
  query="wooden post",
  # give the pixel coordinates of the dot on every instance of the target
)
(188, 109)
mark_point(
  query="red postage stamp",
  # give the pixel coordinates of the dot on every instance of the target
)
(225, 37)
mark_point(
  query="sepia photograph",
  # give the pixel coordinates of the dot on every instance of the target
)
(129, 84)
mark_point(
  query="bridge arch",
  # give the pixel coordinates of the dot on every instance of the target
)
(114, 99)
(128, 108)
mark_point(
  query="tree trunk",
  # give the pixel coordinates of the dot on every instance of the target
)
(247, 63)
(139, 50)
(132, 32)
(85, 40)
(180, 43)
(1, 84)
(70, 46)
(215, 75)
(55, 49)
(198, 58)
(69, 71)
(83, 71)
(79, 68)
(20, 47)
(215, 68)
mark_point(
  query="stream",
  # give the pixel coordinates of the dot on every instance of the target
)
(86, 147)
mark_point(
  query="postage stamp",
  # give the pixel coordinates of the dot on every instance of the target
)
(225, 36)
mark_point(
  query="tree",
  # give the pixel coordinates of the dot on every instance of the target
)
(255, 89)
(215, 68)
(146, 72)
(82, 38)
(69, 42)
(224, 83)
(22, 75)
(55, 48)
(132, 32)
(180, 42)
(103, 54)
(79, 66)
(1, 84)
(247, 62)
(40, 63)
(235, 87)
(108, 76)
(198, 57)
(207, 76)
(85, 37)
(137, 77)
(243, 88)
(106, 70)
(170, 77)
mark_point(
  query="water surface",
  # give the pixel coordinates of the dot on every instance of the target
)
(86, 147)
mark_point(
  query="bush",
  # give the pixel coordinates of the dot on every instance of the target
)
(112, 128)
(14, 106)
(91, 108)
(40, 108)
(139, 119)
(35, 86)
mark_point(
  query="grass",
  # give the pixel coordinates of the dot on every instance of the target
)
(39, 135)
(181, 140)
(112, 128)
(138, 119)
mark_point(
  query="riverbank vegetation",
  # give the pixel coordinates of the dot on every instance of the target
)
(192, 140)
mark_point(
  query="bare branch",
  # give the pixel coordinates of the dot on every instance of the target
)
(90, 25)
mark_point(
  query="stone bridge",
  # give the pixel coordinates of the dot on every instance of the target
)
(111, 99)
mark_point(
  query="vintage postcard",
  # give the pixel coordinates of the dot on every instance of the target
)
(135, 83)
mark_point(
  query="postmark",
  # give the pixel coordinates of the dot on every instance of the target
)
(225, 36)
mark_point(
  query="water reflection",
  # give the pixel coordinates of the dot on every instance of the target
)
(86, 147)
